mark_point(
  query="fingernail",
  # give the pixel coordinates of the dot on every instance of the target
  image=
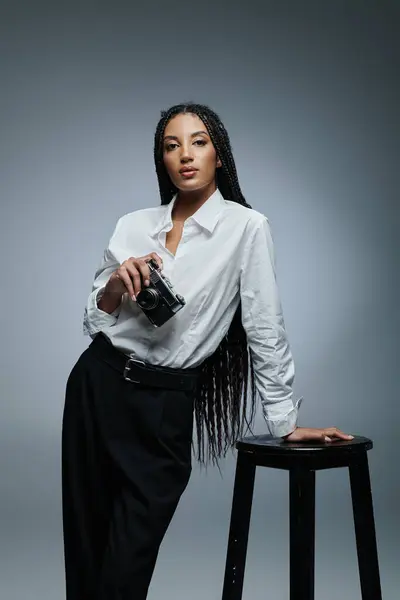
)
(327, 439)
(351, 437)
(147, 282)
(133, 297)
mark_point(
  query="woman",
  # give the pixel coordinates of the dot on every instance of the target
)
(128, 424)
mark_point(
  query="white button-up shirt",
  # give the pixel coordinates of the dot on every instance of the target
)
(226, 255)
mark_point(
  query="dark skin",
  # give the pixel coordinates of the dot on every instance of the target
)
(187, 144)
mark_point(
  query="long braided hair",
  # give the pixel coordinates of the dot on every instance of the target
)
(221, 397)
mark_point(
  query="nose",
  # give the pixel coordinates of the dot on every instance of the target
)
(186, 153)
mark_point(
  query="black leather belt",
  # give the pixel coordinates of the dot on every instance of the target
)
(141, 372)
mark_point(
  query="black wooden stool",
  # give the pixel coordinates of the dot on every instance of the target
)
(302, 460)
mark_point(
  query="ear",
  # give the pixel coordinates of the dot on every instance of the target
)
(219, 163)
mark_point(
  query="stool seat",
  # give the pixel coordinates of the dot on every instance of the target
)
(264, 450)
(302, 460)
(266, 444)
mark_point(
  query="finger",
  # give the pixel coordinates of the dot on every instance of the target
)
(157, 258)
(137, 282)
(310, 435)
(338, 434)
(134, 276)
(143, 267)
(125, 276)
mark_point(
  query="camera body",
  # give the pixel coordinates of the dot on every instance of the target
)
(158, 301)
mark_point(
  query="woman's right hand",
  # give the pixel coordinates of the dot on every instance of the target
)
(129, 276)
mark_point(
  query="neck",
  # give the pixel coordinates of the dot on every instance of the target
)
(187, 203)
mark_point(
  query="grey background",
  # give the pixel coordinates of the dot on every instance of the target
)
(309, 93)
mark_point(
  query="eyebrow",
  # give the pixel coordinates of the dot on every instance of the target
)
(174, 137)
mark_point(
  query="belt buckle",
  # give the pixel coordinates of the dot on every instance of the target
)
(128, 368)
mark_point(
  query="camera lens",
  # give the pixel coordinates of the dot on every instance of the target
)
(147, 299)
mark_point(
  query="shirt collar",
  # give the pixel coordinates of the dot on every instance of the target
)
(206, 216)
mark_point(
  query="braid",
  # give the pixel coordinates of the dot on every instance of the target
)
(221, 397)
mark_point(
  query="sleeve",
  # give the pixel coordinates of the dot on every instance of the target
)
(263, 322)
(94, 319)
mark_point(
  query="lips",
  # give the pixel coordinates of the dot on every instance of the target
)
(187, 170)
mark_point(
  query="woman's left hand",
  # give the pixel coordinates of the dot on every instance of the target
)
(311, 434)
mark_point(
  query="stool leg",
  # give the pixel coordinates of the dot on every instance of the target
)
(302, 533)
(239, 528)
(364, 525)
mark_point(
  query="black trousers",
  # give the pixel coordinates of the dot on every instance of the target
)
(126, 459)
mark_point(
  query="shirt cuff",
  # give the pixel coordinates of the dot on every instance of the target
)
(282, 424)
(96, 320)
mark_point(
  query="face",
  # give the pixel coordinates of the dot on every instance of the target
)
(187, 145)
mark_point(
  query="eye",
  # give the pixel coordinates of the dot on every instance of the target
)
(201, 142)
(170, 146)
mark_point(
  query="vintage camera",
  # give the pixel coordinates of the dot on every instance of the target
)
(159, 301)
